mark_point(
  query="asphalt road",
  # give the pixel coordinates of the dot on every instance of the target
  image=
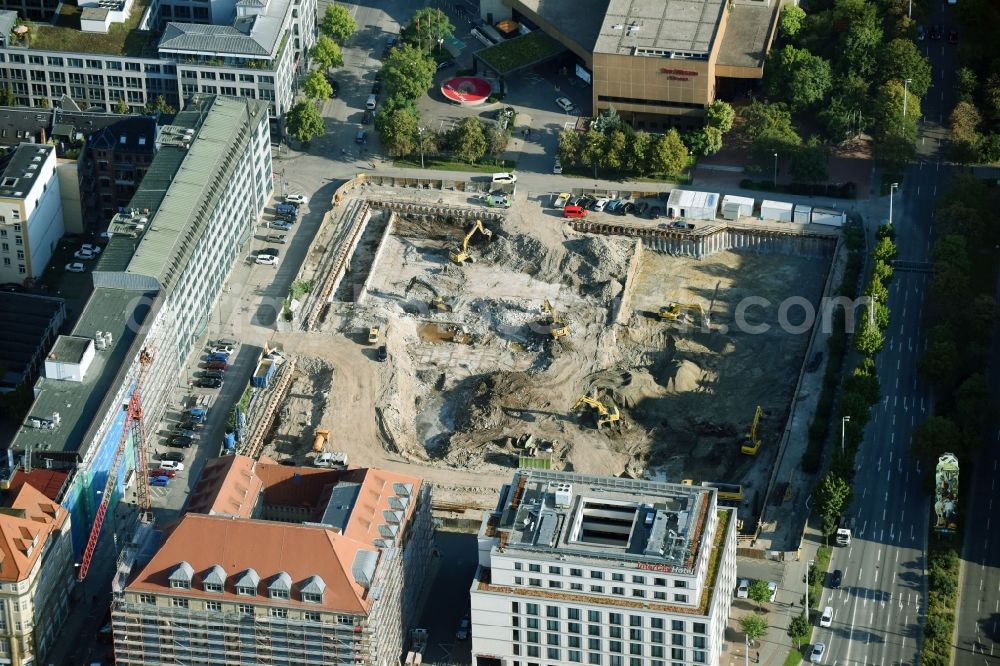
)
(880, 608)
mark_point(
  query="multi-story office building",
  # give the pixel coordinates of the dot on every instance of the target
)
(31, 325)
(577, 569)
(255, 53)
(156, 284)
(36, 573)
(297, 566)
(31, 218)
(113, 162)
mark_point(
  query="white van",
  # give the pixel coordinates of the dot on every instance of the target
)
(171, 465)
(371, 103)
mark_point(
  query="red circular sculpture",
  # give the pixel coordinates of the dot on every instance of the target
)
(467, 90)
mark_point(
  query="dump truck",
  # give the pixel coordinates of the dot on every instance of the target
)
(264, 373)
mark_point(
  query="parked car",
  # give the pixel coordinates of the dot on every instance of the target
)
(291, 218)
(498, 201)
(297, 199)
(287, 209)
(181, 432)
(920, 33)
(612, 206)
(159, 481)
(277, 238)
(743, 589)
(600, 205)
(76, 267)
(171, 456)
(361, 137)
(283, 225)
(218, 356)
(11, 287)
(333, 85)
(836, 578)
(383, 353)
(953, 36)
(266, 260)
(462, 633)
(826, 619)
(655, 212)
(557, 166)
(626, 208)
(223, 349)
(368, 117)
(86, 255)
(504, 178)
(641, 208)
(90, 247)
(445, 64)
(164, 472)
(175, 465)
(216, 365)
(565, 104)
(772, 587)
(817, 654)
(935, 32)
(181, 442)
(586, 201)
(376, 87)
(268, 251)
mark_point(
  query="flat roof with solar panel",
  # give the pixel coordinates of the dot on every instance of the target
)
(578, 516)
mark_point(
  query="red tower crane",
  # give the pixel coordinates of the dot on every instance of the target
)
(133, 426)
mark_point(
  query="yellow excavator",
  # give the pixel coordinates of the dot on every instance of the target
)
(436, 301)
(558, 327)
(605, 416)
(461, 254)
(681, 311)
(751, 442)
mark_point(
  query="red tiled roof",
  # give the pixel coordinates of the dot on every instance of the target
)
(40, 516)
(49, 482)
(227, 486)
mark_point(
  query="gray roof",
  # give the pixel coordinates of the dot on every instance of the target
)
(22, 169)
(676, 26)
(28, 322)
(69, 348)
(281, 581)
(578, 21)
(179, 188)
(183, 572)
(745, 42)
(249, 578)
(258, 41)
(8, 19)
(78, 403)
(338, 508)
(215, 575)
(313, 585)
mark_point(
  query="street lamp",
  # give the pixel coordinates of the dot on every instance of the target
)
(909, 10)
(906, 88)
(892, 189)
(420, 134)
(843, 424)
(809, 566)
(776, 171)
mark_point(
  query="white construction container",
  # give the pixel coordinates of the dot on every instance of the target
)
(692, 205)
(831, 218)
(776, 210)
(802, 214)
(734, 207)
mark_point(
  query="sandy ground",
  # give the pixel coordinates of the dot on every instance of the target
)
(457, 413)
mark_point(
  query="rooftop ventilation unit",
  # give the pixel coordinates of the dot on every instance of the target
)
(564, 494)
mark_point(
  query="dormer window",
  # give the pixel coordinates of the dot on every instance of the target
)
(312, 590)
(244, 591)
(215, 579)
(312, 598)
(281, 586)
(246, 584)
(180, 578)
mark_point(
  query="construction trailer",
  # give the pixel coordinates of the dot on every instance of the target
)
(828, 217)
(735, 207)
(693, 205)
(264, 373)
(780, 211)
(802, 214)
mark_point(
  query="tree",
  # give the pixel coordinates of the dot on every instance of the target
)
(304, 122)
(965, 84)
(798, 76)
(759, 592)
(337, 23)
(830, 497)
(900, 59)
(895, 148)
(497, 140)
(408, 72)
(885, 249)
(637, 159)
(316, 86)
(991, 96)
(607, 120)
(160, 105)
(428, 27)
(882, 271)
(569, 147)
(799, 627)
(592, 150)
(720, 115)
(754, 626)
(935, 436)
(399, 133)
(965, 136)
(614, 150)
(327, 53)
(122, 106)
(7, 97)
(870, 338)
(790, 22)
(470, 140)
(669, 156)
(973, 405)
(888, 108)
(705, 141)
(857, 50)
(769, 129)
(391, 105)
(809, 163)
(951, 251)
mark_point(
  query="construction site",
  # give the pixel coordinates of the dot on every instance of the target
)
(458, 342)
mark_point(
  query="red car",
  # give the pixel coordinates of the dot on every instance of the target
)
(216, 365)
(163, 472)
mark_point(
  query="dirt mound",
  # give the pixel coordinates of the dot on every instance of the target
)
(514, 251)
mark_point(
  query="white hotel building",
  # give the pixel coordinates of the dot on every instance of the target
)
(577, 569)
